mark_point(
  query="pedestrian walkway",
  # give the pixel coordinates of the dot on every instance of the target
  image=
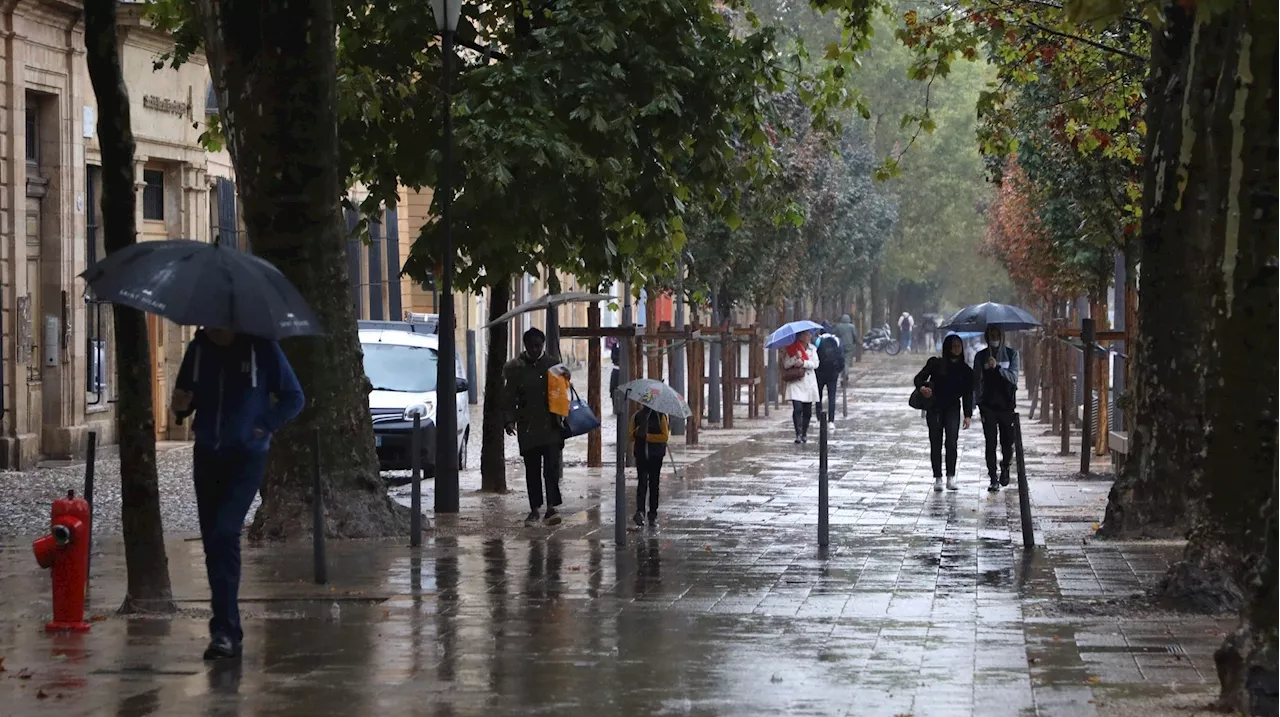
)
(924, 603)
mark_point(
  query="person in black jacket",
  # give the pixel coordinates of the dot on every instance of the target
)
(995, 383)
(948, 380)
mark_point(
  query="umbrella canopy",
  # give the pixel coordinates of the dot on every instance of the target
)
(656, 396)
(199, 284)
(546, 301)
(979, 316)
(786, 335)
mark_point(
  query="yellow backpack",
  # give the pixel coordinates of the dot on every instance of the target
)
(652, 431)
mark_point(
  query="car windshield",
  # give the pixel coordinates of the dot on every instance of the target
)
(408, 369)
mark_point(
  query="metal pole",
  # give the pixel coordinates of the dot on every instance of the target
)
(317, 512)
(415, 465)
(1024, 495)
(446, 467)
(1087, 336)
(677, 355)
(713, 392)
(90, 459)
(823, 528)
(620, 459)
(473, 385)
(844, 394)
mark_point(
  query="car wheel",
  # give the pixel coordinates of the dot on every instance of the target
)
(462, 453)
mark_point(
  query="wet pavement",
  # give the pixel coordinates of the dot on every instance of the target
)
(924, 603)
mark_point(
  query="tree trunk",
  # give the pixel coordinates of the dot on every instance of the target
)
(653, 347)
(1159, 490)
(1210, 195)
(877, 301)
(277, 92)
(146, 564)
(493, 460)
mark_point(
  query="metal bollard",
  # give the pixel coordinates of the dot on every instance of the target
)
(90, 458)
(317, 513)
(844, 395)
(823, 531)
(1024, 497)
(415, 502)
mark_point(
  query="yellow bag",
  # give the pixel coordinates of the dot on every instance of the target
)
(557, 394)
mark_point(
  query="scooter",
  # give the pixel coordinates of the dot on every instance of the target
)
(882, 340)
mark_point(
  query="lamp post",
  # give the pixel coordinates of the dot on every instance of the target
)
(446, 467)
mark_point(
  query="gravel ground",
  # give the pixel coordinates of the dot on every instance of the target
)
(27, 495)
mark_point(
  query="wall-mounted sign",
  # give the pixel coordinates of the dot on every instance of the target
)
(168, 106)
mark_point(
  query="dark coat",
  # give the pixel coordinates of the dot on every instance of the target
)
(951, 383)
(525, 402)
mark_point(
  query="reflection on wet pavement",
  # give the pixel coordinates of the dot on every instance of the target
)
(924, 604)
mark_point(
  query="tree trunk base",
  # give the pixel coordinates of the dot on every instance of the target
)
(1247, 671)
(1132, 514)
(1205, 579)
(144, 606)
(360, 514)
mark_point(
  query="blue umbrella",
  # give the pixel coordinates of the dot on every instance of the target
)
(786, 335)
(979, 316)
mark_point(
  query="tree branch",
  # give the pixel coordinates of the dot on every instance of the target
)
(1105, 48)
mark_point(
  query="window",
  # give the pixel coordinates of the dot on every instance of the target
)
(33, 137)
(153, 194)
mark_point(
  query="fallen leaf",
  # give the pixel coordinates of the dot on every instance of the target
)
(41, 695)
(1094, 680)
(24, 674)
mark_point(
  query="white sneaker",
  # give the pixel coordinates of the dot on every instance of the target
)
(952, 484)
(937, 484)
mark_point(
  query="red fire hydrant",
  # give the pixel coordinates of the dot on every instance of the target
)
(66, 550)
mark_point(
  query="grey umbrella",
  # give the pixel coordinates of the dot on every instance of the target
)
(548, 300)
(656, 396)
(979, 316)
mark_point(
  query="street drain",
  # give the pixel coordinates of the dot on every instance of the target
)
(1136, 649)
(145, 670)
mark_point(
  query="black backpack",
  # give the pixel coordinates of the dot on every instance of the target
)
(830, 357)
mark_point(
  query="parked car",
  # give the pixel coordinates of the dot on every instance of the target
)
(422, 324)
(401, 366)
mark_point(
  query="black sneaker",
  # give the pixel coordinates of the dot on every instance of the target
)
(797, 439)
(804, 437)
(1004, 477)
(532, 519)
(653, 517)
(994, 487)
(552, 517)
(222, 648)
(638, 518)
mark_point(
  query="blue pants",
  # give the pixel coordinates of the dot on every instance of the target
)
(226, 482)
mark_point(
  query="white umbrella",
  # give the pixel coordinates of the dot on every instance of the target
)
(546, 301)
(656, 396)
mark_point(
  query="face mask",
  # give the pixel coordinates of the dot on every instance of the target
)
(995, 343)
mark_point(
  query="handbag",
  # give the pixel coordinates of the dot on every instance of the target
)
(580, 419)
(791, 374)
(918, 401)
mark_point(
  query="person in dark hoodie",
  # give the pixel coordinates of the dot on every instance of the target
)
(995, 384)
(948, 380)
(529, 418)
(242, 391)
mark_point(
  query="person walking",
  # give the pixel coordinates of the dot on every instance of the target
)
(948, 381)
(650, 432)
(848, 335)
(242, 390)
(905, 325)
(801, 360)
(830, 366)
(995, 378)
(528, 416)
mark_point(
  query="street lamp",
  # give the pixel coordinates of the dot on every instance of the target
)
(446, 14)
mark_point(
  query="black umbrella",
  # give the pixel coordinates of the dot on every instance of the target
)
(199, 284)
(979, 316)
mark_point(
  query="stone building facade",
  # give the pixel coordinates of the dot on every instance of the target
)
(57, 358)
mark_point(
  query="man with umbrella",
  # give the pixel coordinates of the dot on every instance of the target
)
(528, 416)
(995, 380)
(242, 390)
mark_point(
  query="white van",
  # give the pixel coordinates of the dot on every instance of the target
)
(401, 366)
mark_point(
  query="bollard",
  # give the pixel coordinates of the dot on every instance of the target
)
(473, 386)
(90, 455)
(1024, 495)
(317, 513)
(415, 465)
(844, 395)
(823, 532)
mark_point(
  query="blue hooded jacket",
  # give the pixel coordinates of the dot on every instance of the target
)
(238, 388)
